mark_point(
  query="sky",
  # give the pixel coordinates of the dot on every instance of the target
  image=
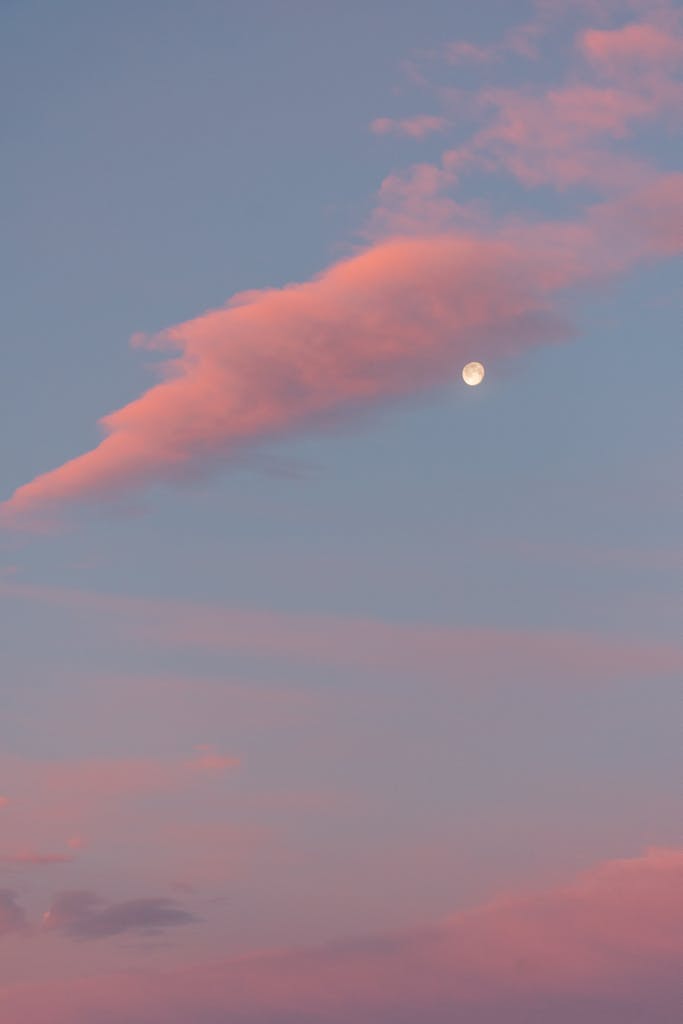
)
(332, 690)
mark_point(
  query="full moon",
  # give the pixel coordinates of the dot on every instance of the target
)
(473, 374)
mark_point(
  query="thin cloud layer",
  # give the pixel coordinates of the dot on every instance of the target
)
(32, 858)
(402, 315)
(606, 948)
(460, 654)
(61, 804)
(105, 780)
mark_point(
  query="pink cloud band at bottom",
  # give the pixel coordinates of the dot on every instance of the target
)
(610, 943)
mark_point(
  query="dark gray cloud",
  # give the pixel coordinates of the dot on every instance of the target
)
(12, 917)
(84, 915)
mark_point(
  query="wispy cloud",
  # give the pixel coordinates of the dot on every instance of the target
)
(413, 127)
(60, 802)
(68, 792)
(462, 655)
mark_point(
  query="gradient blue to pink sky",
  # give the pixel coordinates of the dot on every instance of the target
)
(333, 691)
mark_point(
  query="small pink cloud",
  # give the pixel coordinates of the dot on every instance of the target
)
(105, 779)
(559, 137)
(519, 40)
(210, 762)
(632, 47)
(415, 203)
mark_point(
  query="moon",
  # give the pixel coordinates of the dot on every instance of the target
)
(473, 374)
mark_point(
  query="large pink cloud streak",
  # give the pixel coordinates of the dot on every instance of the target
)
(386, 322)
(394, 319)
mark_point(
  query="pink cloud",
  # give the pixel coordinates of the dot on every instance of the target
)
(605, 949)
(520, 40)
(415, 203)
(388, 322)
(439, 651)
(558, 137)
(402, 315)
(397, 318)
(571, 115)
(632, 46)
(564, 136)
(414, 127)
